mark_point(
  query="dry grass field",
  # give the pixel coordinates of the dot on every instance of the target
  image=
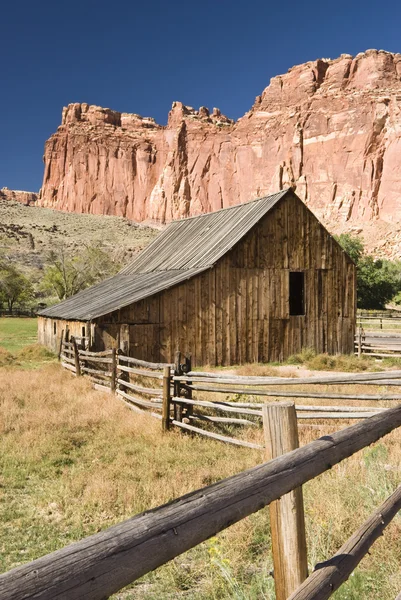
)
(74, 461)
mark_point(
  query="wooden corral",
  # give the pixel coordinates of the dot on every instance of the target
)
(268, 281)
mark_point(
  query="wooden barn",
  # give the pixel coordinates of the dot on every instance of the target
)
(255, 282)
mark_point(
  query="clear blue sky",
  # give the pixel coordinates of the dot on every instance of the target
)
(141, 56)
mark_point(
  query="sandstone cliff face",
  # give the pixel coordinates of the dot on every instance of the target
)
(329, 128)
(18, 196)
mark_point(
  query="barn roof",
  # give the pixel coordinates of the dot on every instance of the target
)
(199, 242)
(184, 249)
(114, 293)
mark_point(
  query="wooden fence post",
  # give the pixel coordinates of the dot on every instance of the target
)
(113, 370)
(188, 392)
(76, 357)
(166, 399)
(60, 350)
(287, 514)
(177, 387)
(360, 342)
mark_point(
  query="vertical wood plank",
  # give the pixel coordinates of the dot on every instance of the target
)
(232, 319)
(219, 311)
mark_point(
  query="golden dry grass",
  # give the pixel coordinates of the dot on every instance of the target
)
(75, 460)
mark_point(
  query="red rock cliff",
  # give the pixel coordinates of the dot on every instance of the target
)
(330, 128)
(18, 196)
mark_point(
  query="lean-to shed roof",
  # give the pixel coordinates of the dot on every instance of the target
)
(114, 293)
(184, 249)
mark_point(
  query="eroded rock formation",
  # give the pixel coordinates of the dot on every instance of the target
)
(18, 196)
(330, 128)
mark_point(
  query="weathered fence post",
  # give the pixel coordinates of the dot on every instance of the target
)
(188, 391)
(177, 387)
(166, 399)
(360, 342)
(287, 514)
(113, 370)
(60, 350)
(76, 357)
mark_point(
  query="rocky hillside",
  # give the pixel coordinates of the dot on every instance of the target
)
(28, 233)
(330, 128)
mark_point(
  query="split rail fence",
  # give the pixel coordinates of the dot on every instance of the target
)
(102, 564)
(217, 405)
(191, 400)
(380, 322)
(383, 346)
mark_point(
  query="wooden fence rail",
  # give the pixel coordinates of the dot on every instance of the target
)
(380, 321)
(216, 378)
(102, 564)
(329, 575)
(123, 375)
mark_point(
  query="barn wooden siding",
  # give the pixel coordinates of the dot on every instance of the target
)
(51, 340)
(238, 311)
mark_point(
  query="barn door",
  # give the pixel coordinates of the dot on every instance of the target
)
(105, 336)
(144, 342)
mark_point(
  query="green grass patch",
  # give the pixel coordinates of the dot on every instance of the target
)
(18, 347)
(15, 333)
(392, 361)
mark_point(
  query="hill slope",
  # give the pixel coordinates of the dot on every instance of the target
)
(28, 233)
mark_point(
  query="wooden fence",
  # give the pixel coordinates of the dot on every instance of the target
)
(102, 564)
(380, 322)
(18, 312)
(383, 346)
(125, 375)
(203, 402)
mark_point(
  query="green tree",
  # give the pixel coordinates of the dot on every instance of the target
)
(66, 274)
(352, 245)
(378, 281)
(15, 288)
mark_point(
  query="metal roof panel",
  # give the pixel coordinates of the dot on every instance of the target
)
(200, 241)
(115, 293)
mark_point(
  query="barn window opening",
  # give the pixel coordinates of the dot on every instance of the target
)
(54, 327)
(83, 331)
(297, 293)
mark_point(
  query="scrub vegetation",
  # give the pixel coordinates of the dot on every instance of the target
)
(52, 254)
(74, 461)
